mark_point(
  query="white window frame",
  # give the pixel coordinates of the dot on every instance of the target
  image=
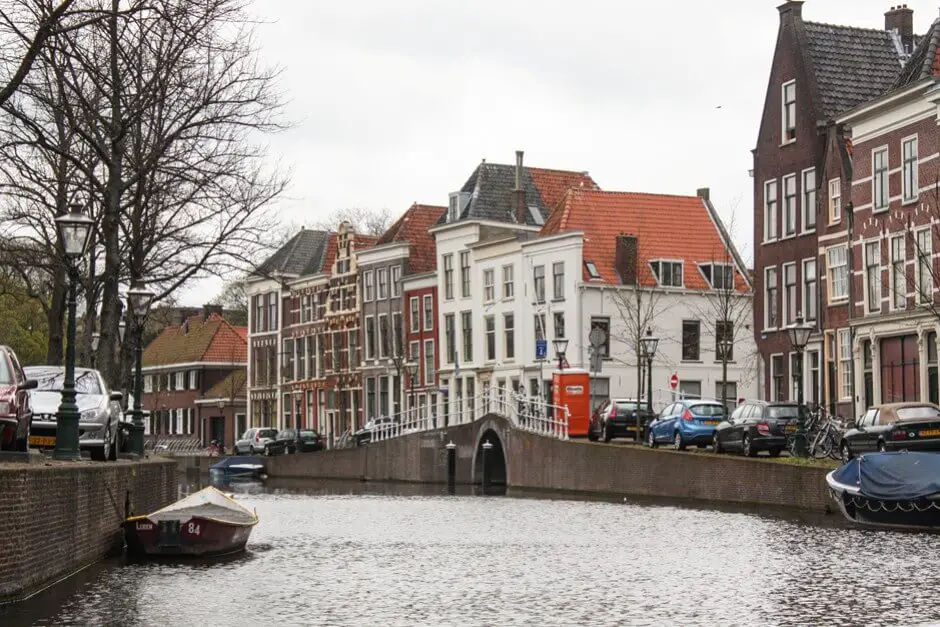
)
(710, 279)
(771, 211)
(910, 191)
(921, 251)
(414, 310)
(179, 380)
(489, 285)
(487, 356)
(770, 323)
(428, 320)
(657, 275)
(880, 180)
(148, 384)
(830, 269)
(506, 330)
(773, 376)
(867, 247)
(395, 281)
(383, 348)
(429, 373)
(809, 315)
(835, 201)
(898, 257)
(368, 286)
(381, 281)
(787, 117)
(844, 337)
(371, 348)
(808, 201)
(192, 380)
(509, 288)
(791, 206)
(791, 309)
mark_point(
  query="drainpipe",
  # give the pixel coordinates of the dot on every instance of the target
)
(850, 214)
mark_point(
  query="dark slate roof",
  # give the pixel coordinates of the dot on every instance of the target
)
(303, 254)
(923, 60)
(851, 65)
(491, 187)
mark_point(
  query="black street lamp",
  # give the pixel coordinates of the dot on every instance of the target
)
(411, 370)
(650, 343)
(560, 345)
(799, 336)
(138, 304)
(74, 230)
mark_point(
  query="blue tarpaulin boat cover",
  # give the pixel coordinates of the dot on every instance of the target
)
(239, 463)
(902, 476)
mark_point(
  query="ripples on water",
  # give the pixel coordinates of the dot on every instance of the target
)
(387, 559)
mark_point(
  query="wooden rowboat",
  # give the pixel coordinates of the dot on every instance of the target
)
(206, 523)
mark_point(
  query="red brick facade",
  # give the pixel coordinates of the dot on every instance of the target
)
(421, 334)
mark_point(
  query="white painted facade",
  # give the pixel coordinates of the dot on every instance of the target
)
(262, 287)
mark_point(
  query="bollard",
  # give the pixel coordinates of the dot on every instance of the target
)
(487, 479)
(451, 467)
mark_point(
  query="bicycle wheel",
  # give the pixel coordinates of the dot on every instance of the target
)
(822, 445)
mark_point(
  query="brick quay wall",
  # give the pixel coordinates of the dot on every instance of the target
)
(59, 517)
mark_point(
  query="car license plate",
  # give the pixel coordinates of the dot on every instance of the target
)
(631, 427)
(711, 423)
(930, 433)
(791, 428)
(41, 440)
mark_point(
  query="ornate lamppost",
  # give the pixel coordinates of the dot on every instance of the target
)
(799, 336)
(411, 370)
(561, 346)
(649, 344)
(74, 229)
(138, 304)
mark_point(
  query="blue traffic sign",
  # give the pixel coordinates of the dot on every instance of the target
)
(541, 349)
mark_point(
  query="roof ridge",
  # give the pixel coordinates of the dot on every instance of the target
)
(849, 27)
(533, 167)
(629, 193)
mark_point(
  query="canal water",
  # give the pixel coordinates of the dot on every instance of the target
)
(361, 554)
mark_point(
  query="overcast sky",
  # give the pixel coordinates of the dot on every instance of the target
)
(396, 101)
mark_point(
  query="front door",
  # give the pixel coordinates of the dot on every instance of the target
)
(217, 429)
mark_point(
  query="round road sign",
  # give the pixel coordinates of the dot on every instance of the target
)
(674, 381)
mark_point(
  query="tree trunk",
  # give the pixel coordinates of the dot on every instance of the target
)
(56, 321)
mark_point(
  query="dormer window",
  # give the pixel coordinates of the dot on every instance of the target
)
(536, 214)
(667, 273)
(458, 202)
(592, 270)
(789, 111)
(719, 275)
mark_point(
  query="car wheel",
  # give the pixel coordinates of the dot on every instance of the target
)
(881, 446)
(716, 446)
(651, 439)
(677, 442)
(846, 453)
(608, 435)
(251, 450)
(746, 447)
(774, 452)
(592, 436)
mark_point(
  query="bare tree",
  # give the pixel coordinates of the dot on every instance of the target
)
(365, 221)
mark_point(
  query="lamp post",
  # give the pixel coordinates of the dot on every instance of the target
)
(650, 343)
(560, 345)
(74, 229)
(799, 336)
(138, 303)
(411, 370)
(725, 346)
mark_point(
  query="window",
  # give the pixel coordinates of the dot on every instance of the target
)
(398, 329)
(193, 376)
(924, 265)
(415, 313)
(272, 311)
(604, 325)
(724, 332)
(809, 289)
(368, 285)
(448, 276)
(879, 179)
(507, 282)
(337, 340)
(383, 396)
(428, 312)
(382, 274)
(898, 273)
(809, 200)
(466, 325)
(845, 359)
(465, 274)
(789, 292)
(414, 352)
(789, 111)
(384, 343)
(370, 337)
(789, 204)
(148, 383)
(559, 318)
(770, 298)
(429, 362)
(795, 382)
(180, 381)
(719, 276)
(490, 323)
(909, 169)
(691, 335)
(509, 336)
(453, 207)
(300, 364)
(835, 200)
(873, 276)
(370, 397)
(770, 211)
(730, 392)
(667, 273)
(396, 281)
(837, 263)
(539, 328)
(489, 287)
(558, 280)
(352, 349)
(259, 314)
(538, 278)
(450, 338)
(776, 378)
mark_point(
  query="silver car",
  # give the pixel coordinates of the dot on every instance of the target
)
(255, 440)
(98, 431)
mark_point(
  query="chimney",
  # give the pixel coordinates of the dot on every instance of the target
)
(208, 310)
(518, 192)
(900, 20)
(793, 8)
(626, 260)
(703, 193)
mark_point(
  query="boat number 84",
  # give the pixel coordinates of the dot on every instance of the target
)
(193, 529)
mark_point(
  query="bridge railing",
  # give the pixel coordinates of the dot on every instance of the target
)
(527, 413)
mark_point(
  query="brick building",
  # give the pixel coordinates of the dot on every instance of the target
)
(194, 375)
(801, 172)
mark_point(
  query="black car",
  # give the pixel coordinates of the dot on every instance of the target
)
(290, 441)
(894, 427)
(758, 426)
(616, 418)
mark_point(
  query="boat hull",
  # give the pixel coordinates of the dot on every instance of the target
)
(196, 537)
(921, 515)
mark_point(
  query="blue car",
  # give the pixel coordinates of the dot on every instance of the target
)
(686, 423)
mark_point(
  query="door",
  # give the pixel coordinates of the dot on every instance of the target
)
(724, 430)
(860, 441)
(667, 421)
(217, 429)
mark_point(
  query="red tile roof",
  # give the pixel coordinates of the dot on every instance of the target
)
(553, 184)
(666, 227)
(412, 227)
(198, 340)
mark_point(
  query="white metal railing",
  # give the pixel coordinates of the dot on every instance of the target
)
(527, 413)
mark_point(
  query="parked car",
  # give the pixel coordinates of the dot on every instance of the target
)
(758, 426)
(364, 435)
(15, 407)
(255, 440)
(894, 427)
(100, 410)
(616, 418)
(689, 422)
(290, 442)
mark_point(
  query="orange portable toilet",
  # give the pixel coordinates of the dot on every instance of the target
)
(571, 388)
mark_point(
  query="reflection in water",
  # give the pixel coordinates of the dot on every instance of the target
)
(328, 553)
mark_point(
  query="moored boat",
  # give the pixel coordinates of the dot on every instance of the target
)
(206, 523)
(238, 467)
(897, 490)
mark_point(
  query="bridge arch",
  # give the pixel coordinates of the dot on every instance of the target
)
(492, 461)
